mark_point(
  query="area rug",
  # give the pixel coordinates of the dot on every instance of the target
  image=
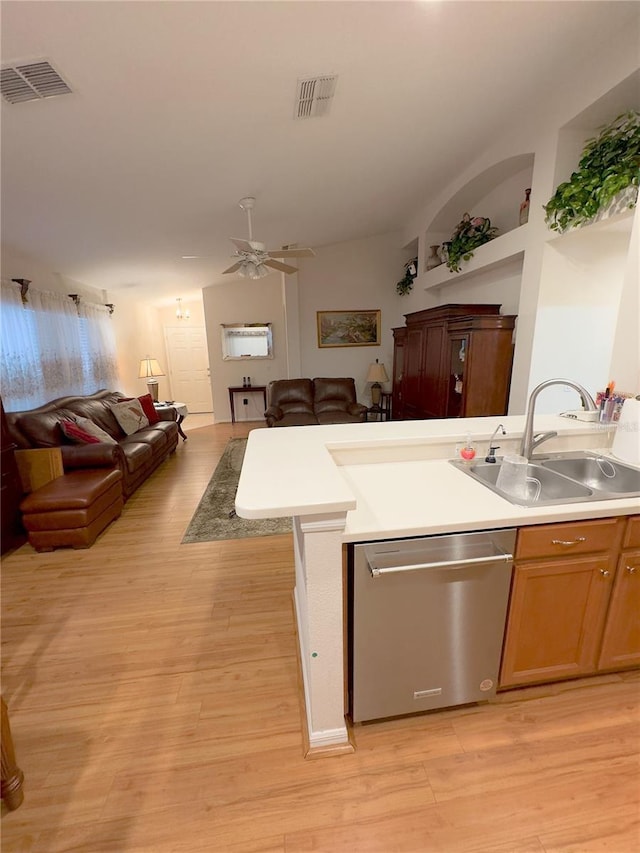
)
(215, 516)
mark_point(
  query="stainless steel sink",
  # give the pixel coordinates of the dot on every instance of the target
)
(597, 472)
(564, 478)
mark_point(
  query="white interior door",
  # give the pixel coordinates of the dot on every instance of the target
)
(188, 359)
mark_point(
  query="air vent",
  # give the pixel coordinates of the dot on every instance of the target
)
(31, 82)
(314, 95)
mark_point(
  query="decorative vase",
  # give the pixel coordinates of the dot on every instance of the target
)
(444, 251)
(434, 259)
(524, 207)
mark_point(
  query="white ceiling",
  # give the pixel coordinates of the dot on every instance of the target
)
(182, 108)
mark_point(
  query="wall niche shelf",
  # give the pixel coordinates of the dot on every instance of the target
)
(503, 250)
(618, 223)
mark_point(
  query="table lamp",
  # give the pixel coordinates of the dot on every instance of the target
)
(149, 369)
(376, 374)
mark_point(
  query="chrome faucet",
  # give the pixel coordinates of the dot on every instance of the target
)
(491, 453)
(531, 441)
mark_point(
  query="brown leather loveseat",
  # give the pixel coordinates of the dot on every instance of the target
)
(305, 402)
(136, 455)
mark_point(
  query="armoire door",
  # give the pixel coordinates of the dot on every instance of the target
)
(412, 379)
(434, 398)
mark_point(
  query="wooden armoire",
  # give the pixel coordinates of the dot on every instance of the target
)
(453, 361)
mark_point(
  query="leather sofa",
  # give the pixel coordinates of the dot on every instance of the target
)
(307, 402)
(136, 455)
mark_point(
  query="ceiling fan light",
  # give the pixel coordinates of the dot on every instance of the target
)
(253, 271)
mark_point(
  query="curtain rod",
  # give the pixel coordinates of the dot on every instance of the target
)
(24, 287)
(76, 298)
(23, 284)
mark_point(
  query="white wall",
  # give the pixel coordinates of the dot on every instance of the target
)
(625, 358)
(244, 301)
(355, 275)
(15, 264)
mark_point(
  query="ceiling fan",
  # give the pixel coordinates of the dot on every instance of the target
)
(254, 259)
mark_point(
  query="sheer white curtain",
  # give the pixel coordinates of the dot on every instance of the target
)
(50, 348)
(100, 366)
(21, 378)
(60, 343)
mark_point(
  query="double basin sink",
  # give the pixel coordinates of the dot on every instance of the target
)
(564, 478)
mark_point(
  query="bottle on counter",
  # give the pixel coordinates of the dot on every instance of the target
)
(468, 450)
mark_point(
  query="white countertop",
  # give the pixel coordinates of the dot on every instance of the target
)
(393, 479)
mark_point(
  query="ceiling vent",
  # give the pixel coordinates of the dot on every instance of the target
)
(31, 82)
(314, 95)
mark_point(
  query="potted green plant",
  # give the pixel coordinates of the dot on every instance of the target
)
(470, 233)
(405, 284)
(609, 165)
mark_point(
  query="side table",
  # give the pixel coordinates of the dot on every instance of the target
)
(178, 411)
(239, 389)
(383, 411)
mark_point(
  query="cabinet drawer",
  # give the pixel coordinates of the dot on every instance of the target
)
(632, 535)
(569, 538)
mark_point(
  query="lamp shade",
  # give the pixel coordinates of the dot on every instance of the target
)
(377, 373)
(149, 367)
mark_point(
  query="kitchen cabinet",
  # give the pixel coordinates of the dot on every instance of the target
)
(621, 640)
(574, 601)
(456, 362)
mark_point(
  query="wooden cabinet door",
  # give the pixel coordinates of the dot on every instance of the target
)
(556, 619)
(621, 641)
(632, 533)
(488, 369)
(412, 380)
(434, 387)
(397, 394)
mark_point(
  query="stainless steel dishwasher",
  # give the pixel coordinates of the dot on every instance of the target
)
(427, 619)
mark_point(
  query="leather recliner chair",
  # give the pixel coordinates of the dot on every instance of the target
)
(305, 402)
(334, 402)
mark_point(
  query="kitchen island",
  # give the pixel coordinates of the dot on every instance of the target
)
(366, 482)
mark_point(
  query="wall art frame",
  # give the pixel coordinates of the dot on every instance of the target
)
(348, 328)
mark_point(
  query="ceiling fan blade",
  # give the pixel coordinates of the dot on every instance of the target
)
(292, 253)
(276, 265)
(233, 268)
(247, 245)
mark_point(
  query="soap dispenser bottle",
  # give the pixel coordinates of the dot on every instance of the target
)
(468, 450)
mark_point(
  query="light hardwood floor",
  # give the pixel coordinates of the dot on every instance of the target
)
(154, 706)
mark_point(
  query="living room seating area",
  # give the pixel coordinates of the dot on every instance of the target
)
(84, 456)
(91, 435)
(308, 402)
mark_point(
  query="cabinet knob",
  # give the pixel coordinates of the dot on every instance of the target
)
(576, 541)
(605, 573)
(631, 570)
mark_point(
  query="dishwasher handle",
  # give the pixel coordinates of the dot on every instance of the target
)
(445, 564)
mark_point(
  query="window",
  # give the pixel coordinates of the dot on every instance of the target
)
(50, 348)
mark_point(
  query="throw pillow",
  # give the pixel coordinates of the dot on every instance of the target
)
(130, 416)
(146, 401)
(84, 431)
(93, 429)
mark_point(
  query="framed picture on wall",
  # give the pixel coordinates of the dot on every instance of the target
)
(348, 328)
